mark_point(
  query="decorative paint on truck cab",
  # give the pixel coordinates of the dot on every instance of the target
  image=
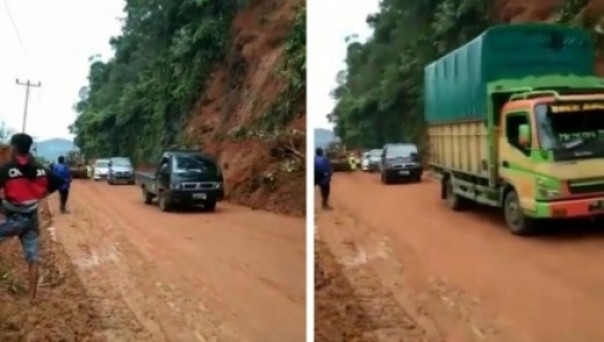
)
(541, 181)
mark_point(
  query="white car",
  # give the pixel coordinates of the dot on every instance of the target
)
(371, 160)
(101, 169)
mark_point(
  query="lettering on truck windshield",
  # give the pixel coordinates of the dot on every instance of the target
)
(572, 108)
(571, 130)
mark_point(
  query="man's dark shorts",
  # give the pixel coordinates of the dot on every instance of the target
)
(25, 226)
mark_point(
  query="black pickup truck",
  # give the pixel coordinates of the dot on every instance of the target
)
(183, 178)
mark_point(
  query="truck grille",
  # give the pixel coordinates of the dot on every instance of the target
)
(586, 187)
(122, 174)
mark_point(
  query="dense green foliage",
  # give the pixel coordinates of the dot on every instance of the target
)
(380, 94)
(137, 103)
(292, 99)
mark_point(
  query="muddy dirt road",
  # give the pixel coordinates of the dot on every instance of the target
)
(232, 275)
(461, 276)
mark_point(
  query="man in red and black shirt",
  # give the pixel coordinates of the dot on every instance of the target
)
(25, 183)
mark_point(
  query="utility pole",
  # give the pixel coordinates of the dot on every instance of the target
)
(27, 85)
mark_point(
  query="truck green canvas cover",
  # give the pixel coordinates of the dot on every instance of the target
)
(455, 85)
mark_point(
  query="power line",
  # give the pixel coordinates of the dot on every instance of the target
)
(15, 28)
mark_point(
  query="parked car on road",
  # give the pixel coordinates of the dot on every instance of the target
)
(371, 160)
(400, 161)
(101, 169)
(183, 178)
(121, 171)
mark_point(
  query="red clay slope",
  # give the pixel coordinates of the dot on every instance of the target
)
(264, 172)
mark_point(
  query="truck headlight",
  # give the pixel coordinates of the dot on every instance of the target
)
(175, 186)
(547, 190)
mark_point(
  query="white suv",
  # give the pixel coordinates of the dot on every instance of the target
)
(101, 169)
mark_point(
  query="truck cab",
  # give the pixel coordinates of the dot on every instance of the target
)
(551, 156)
(183, 178)
(400, 161)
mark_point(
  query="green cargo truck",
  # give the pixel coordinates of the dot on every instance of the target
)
(516, 120)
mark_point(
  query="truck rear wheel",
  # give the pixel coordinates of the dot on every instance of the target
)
(147, 196)
(515, 219)
(454, 201)
(163, 202)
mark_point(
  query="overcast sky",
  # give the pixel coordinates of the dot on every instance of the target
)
(57, 38)
(329, 23)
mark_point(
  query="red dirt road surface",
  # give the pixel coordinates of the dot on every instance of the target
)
(395, 264)
(232, 275)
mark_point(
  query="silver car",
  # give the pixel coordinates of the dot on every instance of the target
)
(371, 160)
(101, 169)
(121, 171)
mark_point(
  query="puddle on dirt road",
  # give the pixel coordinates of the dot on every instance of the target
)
(97, 258)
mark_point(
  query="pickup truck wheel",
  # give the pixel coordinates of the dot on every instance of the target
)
(163, 202)
(385, 179)
(210, 206)
(454, 201)
(515, 219)
(147, 196)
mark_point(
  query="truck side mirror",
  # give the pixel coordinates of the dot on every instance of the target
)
(524, 135)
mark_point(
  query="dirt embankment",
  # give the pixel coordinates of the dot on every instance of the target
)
(263, 170)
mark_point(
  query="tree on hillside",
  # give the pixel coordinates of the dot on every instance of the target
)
(136, 103)
(380, 94)
(5, 132)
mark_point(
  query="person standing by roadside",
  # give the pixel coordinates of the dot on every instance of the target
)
(62, 170)
(323, 176)
(25, 182)
(89, 171)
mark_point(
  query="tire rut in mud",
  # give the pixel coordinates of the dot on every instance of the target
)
(63, 311)
(351, 304)
(338, 314)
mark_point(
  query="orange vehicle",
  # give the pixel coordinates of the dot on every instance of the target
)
(76, 164)
(336, 152)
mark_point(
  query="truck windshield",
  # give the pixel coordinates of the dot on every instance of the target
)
(121, 162)
(101, 163)
(402, 151)
(571, 130)
(192, 163)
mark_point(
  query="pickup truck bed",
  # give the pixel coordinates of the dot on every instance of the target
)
(142, 176)
(175, 186)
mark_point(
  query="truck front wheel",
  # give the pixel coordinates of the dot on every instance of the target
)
(163, 202)
(210, 206)
(515, 219)
(454, 201)
(384, 178)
